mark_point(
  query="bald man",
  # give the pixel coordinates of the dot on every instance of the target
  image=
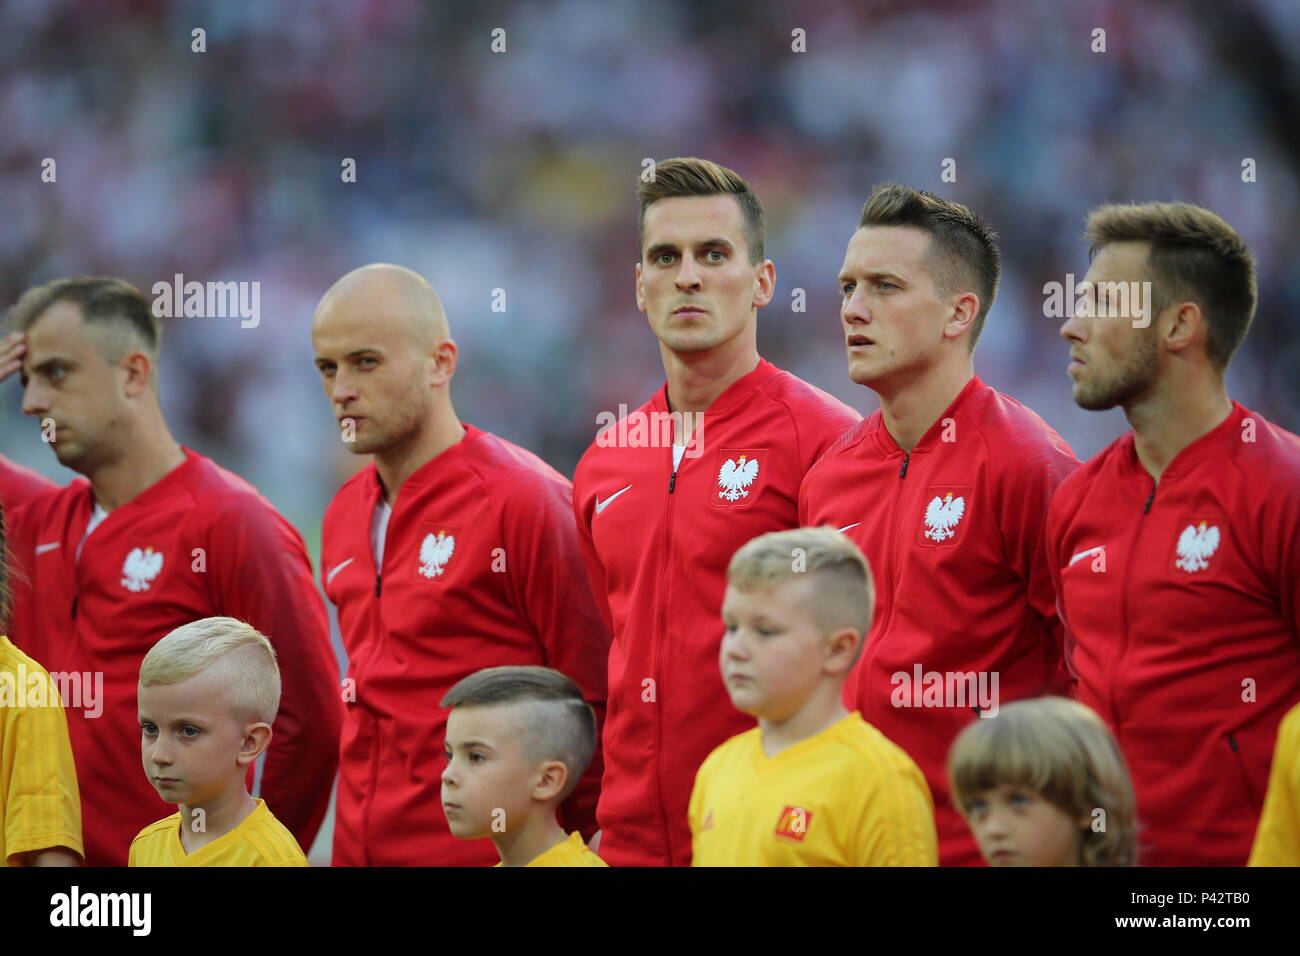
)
(154, 536)
(451, 552)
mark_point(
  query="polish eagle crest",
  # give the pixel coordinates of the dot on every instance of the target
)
(140, 568)
(942, 515)
(735, 476)
(1195, 546)
(435, 552)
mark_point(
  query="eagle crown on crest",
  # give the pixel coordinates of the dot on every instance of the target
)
(736, 476)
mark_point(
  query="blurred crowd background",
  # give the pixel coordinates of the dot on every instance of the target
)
(517, 170)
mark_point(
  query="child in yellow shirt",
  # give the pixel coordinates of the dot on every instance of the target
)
(40, 808)
(812, 784)
(518, 739)
(1277, 840)
(1044, 784)
(208, 694)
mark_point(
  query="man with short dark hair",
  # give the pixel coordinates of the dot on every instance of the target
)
(660, 523)
(945, 490)
(153, 537)
(1176, 550)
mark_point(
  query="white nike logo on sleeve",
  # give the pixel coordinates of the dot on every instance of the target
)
(42, 548)
(1084, 554)
(848, 526)
(602, 505)
(336, 569)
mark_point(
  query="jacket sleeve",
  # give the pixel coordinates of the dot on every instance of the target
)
(1028, 487)
(548, 581)
(261, 574)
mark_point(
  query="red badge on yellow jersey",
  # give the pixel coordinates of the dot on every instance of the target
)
(794, 823)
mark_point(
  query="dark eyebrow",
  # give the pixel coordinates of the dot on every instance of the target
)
(875, 276)
(715, 243)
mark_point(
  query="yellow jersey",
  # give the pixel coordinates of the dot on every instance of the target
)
(847, 796)
(259, 840)
(1277, 840)
(572, 852)
(40, 807)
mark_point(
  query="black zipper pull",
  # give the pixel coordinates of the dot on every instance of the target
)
(672, 482)
(74, 607)
(902, 472)
(1232, 743)
(377, 577)
(1147, 507)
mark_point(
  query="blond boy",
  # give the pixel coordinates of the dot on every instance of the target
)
(812, 784)
(208, 694)
(518, 739)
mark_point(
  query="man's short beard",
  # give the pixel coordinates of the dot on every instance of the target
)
(1127, 385)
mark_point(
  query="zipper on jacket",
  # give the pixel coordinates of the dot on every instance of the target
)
(868, 653)
(665, 577)
(378, 577)
(1123, 610)
(74, 606)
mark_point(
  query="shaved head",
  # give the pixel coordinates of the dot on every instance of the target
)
(386, 359)
(392, 294)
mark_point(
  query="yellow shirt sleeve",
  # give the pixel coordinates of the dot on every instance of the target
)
(1277, 840)
(897, 820)
(40, 805)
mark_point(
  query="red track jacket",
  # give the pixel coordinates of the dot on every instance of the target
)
(481, 568)
(200, 542)
(953, 531)
(1183, 625)
(658, 551)
(19, 484)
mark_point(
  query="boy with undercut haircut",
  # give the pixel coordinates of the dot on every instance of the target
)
(812, 784)
(518, 740)
(208, 694)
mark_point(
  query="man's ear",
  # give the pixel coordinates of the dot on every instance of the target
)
(139, 370)
(444, 357)
(640, 290)
(1185, 323)
(257, 737)
(964, 309)
(764, 283)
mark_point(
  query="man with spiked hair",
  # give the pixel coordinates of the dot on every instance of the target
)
(945, 490)
(660, 523)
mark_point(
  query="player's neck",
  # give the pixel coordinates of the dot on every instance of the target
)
(397, 464)
(911, 409)
(1173, 416)
(535, 837)
(696, 379)
(151, 457)
(215, 818)
(823, 709)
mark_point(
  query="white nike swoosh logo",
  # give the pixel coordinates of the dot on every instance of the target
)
(602, 505)
(42, 548)
(1084, 554)
(848, 526)
(336, 569)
